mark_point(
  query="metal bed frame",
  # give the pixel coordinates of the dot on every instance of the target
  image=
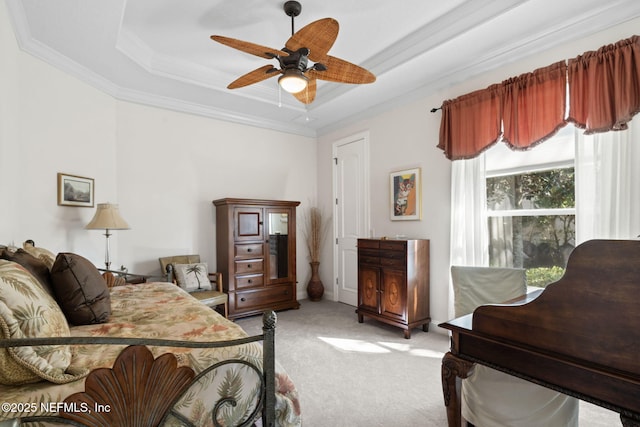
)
(158, 403)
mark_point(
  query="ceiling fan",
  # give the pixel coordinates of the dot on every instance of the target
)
(297, 76)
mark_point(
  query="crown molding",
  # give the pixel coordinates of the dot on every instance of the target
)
(54, 58)
(341, 104)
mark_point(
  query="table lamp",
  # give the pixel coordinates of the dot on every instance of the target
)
(107, 218)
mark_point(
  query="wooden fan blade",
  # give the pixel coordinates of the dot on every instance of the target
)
(317, 36)
(340, 71)
(248, 47)
(254, 76)
(309, 94)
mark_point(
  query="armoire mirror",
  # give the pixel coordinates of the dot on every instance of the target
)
(278, 245)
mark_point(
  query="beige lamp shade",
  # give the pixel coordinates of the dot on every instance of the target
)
(107, 217)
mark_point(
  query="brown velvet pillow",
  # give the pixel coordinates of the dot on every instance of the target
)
(33, 265)
(80, 290)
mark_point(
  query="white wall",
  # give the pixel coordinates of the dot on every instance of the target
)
(163, 168)
(51, 123)
(171, 166)
(407, 137)
(8, 72)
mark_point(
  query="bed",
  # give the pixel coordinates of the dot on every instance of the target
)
(161, 357)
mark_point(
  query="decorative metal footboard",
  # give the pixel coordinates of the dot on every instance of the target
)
(142, 391)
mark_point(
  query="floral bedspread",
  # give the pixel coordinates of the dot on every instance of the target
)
(164, 311)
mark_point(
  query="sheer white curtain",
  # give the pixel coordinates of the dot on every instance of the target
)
(608, 184)
(469, 230)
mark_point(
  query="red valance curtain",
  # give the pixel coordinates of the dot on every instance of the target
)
(604, 94)
(604, 86)
(534, 105)
(470, 123)
(531, 107)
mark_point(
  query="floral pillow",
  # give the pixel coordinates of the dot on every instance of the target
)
(27, 311)
(42, 254)
(33, 265)
(192, 277)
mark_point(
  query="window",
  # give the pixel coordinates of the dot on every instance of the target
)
(531, 208)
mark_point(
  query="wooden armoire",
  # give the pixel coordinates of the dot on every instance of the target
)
(256, 254)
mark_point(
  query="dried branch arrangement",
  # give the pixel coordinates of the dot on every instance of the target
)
(314, 232)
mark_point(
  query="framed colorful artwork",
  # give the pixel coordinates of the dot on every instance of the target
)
(405, 195)
(75, 191)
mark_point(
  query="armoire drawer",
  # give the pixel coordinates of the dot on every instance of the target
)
(249, 266)
(250, 250)
(263, 297)
(250, 281)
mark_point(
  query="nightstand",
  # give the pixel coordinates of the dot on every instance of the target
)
(129, 278)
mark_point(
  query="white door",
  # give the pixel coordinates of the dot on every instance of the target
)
(351, 190)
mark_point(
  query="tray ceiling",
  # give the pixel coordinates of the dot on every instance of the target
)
(158, 52)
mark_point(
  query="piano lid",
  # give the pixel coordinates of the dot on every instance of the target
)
(592, 313)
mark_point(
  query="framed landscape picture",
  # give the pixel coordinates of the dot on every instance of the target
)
(75, 191)
(405, 195)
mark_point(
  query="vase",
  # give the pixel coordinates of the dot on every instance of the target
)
(315, 288)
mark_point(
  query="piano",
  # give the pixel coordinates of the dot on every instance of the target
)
(579, 336)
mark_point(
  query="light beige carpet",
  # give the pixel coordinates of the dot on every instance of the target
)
(352, 374)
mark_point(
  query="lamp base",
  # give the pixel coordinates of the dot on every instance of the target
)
(107, 261)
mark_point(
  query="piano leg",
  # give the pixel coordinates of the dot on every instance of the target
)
(454, 369)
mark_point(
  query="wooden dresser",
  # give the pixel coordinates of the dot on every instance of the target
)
(256, 254)
(393, 282)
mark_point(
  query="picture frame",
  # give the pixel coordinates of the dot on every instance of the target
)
(77, 191)
(405, 195)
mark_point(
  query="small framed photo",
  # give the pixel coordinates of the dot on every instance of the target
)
(75, 191)
(405, 195)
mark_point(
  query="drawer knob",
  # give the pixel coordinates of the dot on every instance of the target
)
(248, 265)
(249, 281)
(249, 250)
(242, 299)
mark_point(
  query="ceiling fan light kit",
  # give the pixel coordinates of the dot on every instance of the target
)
(312, 42)
(293, 81)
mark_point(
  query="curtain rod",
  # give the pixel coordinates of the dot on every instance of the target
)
(433, 110)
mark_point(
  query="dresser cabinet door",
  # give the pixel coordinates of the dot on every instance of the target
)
(368, 285)
(393, 301)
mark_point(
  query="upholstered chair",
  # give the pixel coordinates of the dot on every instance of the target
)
(491, 398)
(188, 272)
